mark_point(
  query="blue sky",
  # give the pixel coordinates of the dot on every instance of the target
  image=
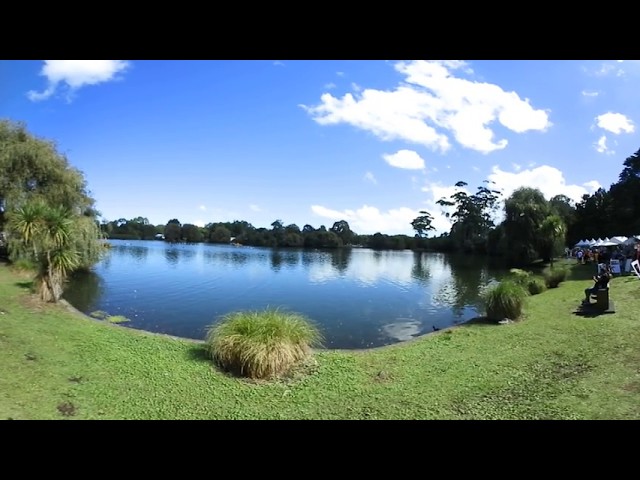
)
(370, 142)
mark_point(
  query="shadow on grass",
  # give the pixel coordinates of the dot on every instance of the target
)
(198, 353)
(482, 321)
(590, 311)
(27, 284)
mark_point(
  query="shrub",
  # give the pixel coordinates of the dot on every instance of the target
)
(555, 276)
(263, 344)
(505, 300)
(25, 265)
(520, 276)
(536, 285)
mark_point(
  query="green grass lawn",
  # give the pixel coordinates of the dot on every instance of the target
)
(56, 364)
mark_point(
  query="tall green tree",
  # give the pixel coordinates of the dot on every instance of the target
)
(173, 231)
(472, 217)
(32, 169)
(525, 211)
(191, 233)
(625, 198)
(343, 230)
(423, 224)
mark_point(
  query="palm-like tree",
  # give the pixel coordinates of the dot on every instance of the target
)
(552, 229)
(45, 235)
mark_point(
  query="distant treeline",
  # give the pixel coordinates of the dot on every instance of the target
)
(533, 227)
(242, 232)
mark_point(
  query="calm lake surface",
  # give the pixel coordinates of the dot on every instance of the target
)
(359, 298)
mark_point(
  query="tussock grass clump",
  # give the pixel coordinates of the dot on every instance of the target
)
(23, 265)
(520, 276)
(261, 344)
(505, 300)
(536, 285)
(555, 276)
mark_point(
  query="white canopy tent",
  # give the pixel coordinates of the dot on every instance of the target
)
(632, 240)
(618, 240)
(606, 243)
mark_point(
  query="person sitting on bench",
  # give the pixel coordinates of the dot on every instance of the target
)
(601, 282)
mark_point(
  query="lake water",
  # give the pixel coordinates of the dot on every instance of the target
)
(359, 298)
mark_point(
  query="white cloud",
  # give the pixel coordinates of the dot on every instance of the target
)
(202, 207)
(592, 185)
(199, 223)
(601, 146)
(369, 220)
(588, 93)
(255, 208)
(340, 74)
(355, 87)
(549, 180)
(278, 63)
(370, 178)
(610, 68)
(615, 123)
(475, 169)
(393, 266)
(517, 167)
(430, 104)
(330, 85)
(407, 159)
(76, 74)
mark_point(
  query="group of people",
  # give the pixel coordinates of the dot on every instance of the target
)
(605, 255)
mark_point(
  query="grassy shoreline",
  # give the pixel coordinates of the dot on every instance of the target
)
(58, 364)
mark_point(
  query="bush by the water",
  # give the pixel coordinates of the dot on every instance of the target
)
(505, 300)
(527, 280)
(536, 285)
(520, 276)
(261, 344)
(555, 276)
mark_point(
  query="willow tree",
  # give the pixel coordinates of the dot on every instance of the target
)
(525, 211)
(33, 169)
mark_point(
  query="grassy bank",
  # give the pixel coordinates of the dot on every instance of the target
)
(552, 365)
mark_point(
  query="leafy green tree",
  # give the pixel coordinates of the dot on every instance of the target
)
(191, 233)
(173, 231)
(423, 224)
(342, 230)
(595, 216)
(525, 211)
(292, 228)
(33, 170)
(472, 217)
(625, 198)
(220, 234)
